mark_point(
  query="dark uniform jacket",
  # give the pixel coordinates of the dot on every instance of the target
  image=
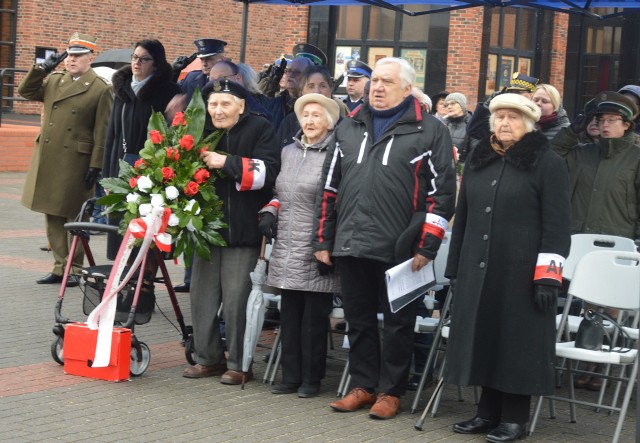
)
(371, 191)
(605, 183)
(512, 217)
(71, 140)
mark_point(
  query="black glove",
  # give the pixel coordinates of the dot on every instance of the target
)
(324, 269)
(545, 296)
(91, 177)
(180, 63)
(52, 61)
(579, 124)
(268, 226)
(337, 83)
(270, 84)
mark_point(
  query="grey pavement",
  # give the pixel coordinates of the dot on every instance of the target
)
(38, 402)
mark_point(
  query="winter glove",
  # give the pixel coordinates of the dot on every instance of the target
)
(180, 63)
(270, 84)
(579, 124)
(268, 226)
(324, 269)
(545, 296)
(91, 177)
(52, 61)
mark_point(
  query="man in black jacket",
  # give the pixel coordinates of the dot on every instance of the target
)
(390, 164)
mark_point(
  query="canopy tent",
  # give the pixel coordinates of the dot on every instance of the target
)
(583, 7)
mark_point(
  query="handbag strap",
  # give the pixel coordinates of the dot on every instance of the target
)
(591, 314)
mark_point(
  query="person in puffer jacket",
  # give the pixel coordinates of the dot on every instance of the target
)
(390, 165)
(307, 285)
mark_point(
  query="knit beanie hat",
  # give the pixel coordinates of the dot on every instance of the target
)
(458, 98)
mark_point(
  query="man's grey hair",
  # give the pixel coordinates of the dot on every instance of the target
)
(407, 73)
(249, 78)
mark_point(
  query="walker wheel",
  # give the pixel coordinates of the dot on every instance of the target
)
(190, 350)
(140, 358)
(56, 349)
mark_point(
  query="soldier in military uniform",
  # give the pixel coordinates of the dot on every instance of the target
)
(358, 74)
(68, 154)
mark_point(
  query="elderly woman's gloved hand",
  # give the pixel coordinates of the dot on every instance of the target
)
(268, 226)
(545, 296)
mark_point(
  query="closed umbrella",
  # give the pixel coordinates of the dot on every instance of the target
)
(113, 58)
(255, 312)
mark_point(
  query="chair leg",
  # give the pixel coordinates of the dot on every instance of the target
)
(343, 380)
(606, 371)
(625, 401)
(275, 349)
(436, 403)
(430, 362)
(572, 392)
(276, 365)
(616, 393)
(536, 414)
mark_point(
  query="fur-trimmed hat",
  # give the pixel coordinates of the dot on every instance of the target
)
(517, 102)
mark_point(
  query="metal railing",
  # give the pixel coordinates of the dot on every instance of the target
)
(10, 96)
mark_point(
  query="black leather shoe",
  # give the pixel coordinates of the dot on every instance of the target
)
(309, 390)
(507, 432)
(49, 279)
(72, 281)
(184, 287)
(476, 425)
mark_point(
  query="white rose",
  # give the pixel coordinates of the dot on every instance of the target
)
(144, 183)
(145, 209)
(133, 197)
(173, 220)
(157, 200)
(189, 206)
(171, 192)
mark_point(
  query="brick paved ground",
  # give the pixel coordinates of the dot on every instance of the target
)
(38, 402)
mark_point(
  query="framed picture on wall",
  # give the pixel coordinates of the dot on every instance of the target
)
(418, 59)
(506, 69)
(524, 65)
(343, 55)
(492, 73)
(376, 54)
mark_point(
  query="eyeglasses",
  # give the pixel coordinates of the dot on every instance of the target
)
(609, 120)
(293, 72)
(447, 104)
(142, 60)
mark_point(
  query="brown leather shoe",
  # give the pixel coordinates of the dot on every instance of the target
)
(582, 381)
(358, 398)
(386, 406)
(201, 371)
(232, 377)
(595, 384)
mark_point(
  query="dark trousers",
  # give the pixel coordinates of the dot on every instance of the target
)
(372, 364)
(304, 318)
(504, 407)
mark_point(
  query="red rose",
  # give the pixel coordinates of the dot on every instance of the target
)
(204, 149)
(179, 120)
(201, 175)
(133, 182)
(191, 189)
(186, 142)
(139, 163)
(173, 154)
(155, 136)
(168, 174)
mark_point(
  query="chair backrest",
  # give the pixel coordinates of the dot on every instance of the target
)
(608, 278)
(440, 262)
(584, 243)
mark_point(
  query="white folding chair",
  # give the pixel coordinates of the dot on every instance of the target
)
(608, 279)
(582, 244)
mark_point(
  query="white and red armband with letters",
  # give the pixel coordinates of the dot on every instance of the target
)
(549, 269)
(434, 225)
(254, 173)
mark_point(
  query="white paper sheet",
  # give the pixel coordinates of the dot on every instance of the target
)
(404, 285)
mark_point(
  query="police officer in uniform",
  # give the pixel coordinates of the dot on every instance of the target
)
(67, 158)
(358, 74)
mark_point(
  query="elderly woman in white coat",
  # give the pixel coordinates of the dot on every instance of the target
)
(307, 285)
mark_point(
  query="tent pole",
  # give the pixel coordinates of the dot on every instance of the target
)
(243, 37)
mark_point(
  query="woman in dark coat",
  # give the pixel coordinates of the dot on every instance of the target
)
(509, 240)
(140, 89)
